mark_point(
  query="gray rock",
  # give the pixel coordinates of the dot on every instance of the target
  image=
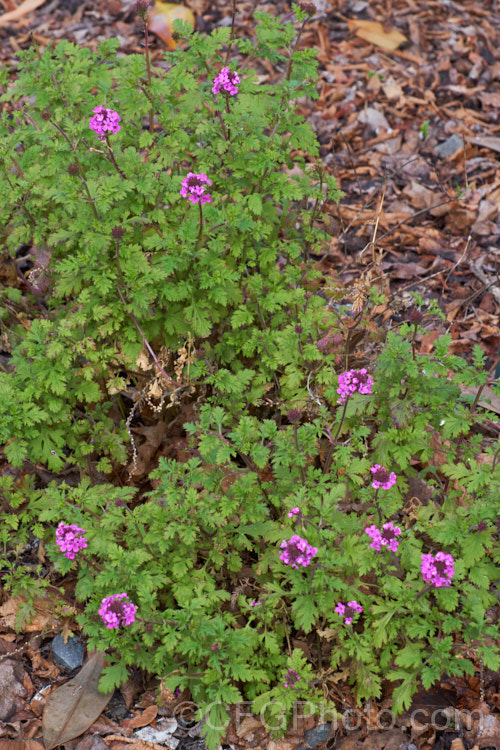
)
(160, 735)
(316, 735)
(449, 146)
(68, 655)
(12, 691)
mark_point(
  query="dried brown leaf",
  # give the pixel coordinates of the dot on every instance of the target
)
(21, 11)
(73, 708)
(374, 32)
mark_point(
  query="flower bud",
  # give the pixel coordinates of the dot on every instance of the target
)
(416, 317)
(73, 169)
(141, 8)
(117, 232)
(308, 8)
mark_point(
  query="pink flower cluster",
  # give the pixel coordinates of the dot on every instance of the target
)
(117, 610)
(438, 570)
(354, 381)
(382, 478)
(348, 610)
(193, 188)
(227, 81)
(70, 539)
(384, 538)
(291, 678)
(297, 552)
(294, 512)
(104, 121)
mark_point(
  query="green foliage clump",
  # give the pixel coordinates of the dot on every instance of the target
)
(131, 266)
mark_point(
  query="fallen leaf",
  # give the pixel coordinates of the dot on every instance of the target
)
(20, 745)
(37, 616)
(488, 141)
(374, 32)
(493, 403)
(21, 11)
(142, 720)
(162, 16)
(73, 708)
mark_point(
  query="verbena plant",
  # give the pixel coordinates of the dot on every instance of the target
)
(299, 526)
(125, 261)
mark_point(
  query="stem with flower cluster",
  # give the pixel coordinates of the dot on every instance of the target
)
(334, 441)
(426, 588)
(201, 226)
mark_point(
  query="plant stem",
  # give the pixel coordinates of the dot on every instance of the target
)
(330, 450)
(112, 159)
(301, 468)
(89, 197)
(289, 66)
(201, 225)
(426, 588)
(146, 342)
(146, 45)
(139, 531)
(233, 17)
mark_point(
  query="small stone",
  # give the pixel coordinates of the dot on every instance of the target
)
(68, 655)
(12, 691)
(316, 735)
(160, 735)
(450, 146)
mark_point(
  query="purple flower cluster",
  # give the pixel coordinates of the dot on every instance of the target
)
(354, 381)
(438, 570)
(384, 538)
(297, 552)
(193, 188)
(291, 678)
(104, 121)
(348, 610)
(117, 610)
(227, 81)
(294, 512)
(382, 478)
(70, 539)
